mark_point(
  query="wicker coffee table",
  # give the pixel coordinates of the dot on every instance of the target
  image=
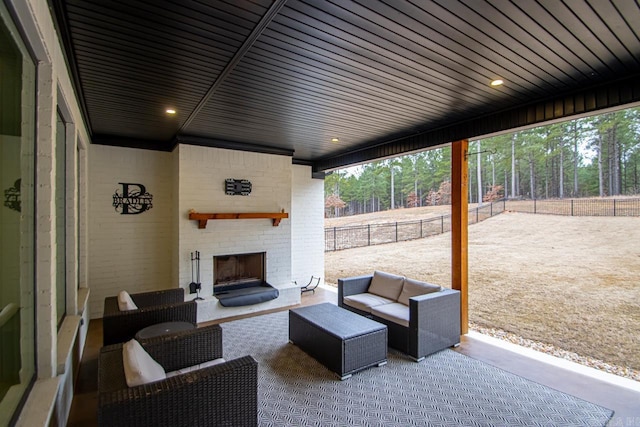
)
(341, 340)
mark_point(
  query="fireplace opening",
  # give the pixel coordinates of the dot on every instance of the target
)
(240, 279)
(238, 268)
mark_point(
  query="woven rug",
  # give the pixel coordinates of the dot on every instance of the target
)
(446, 389)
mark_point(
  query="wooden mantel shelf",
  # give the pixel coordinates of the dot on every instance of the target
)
(202, 218)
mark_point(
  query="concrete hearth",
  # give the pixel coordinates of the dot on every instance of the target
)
(209, 308)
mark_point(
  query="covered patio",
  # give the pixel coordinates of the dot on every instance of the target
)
(334, 84)
(146, 109)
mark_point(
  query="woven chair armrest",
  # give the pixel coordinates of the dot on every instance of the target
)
(185, 348)
(427, 309)
(224, 394)
(162, 297)
(352, 286)
(146, 299)
(123, 325)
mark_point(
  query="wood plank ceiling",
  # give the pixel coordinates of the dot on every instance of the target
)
(385, 77)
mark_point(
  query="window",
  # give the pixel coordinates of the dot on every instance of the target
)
(17, 219)
(61, 229)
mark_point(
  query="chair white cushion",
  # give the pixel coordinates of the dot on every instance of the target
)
(125, 303)
(365, 301)
(394, 312)
(386, 285)
(195, 367)
(139, 367)
(412, 288)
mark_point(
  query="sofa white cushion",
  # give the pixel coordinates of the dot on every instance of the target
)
(386, 285)
(195, 367)
(125, 303)
(365, 301)
(139, 367)
(412, 288)
(394, 312)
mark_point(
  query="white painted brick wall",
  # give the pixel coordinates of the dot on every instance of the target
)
(130, 252)
(152, 250)
(307, 225)
(202, 172)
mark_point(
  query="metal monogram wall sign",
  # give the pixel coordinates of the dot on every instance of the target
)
(237, 187)
(12, 196)
(133, 199)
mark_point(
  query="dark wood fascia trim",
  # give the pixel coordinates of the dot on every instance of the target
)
(587, 101)
(144, 144)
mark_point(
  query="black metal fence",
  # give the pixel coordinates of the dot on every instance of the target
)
(577, 207)
(337, 238)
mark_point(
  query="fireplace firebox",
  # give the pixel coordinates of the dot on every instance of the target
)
(240, 279)
(238, 268)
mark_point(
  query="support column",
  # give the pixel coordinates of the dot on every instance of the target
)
(459, 228)
(46, 253)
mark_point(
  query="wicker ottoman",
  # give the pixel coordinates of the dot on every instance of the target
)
(341, 340)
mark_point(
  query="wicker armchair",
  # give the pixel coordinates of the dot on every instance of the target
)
(434, 319)
(221, 395)
(153, 307)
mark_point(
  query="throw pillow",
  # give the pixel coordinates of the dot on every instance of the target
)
(196, 367)
(139, 366)
(386, 285)
(414, 288)
(125, 303)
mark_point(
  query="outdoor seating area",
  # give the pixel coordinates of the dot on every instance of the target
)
(422, 318)
(197, 386)
(138, 132)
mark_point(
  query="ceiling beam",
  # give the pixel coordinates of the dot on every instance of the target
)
(120, 141)
(231, 145)
(240, 53)
(584, 102)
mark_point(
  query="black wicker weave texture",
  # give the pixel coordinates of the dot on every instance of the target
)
(434, 319)
(342, 341)
(221, 395)
(153, 307)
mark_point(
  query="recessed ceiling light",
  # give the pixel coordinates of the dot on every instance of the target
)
(170, 111)
(335, 140)
(497, 82)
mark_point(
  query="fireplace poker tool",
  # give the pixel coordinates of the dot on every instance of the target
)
(198, 285)
(194, 287)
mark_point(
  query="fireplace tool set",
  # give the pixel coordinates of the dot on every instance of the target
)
(194, 286)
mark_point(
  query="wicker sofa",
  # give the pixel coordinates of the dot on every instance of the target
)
(421, 318)
(153, 307)
(225, 394)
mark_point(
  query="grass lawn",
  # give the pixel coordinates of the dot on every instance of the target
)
(571, 282)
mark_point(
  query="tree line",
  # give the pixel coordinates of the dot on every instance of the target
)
(587, 157)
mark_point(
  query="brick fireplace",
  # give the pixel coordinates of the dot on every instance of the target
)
(202, 172)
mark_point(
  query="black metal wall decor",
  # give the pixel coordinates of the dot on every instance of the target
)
(133, 199)
(237, 187)
(12, 196)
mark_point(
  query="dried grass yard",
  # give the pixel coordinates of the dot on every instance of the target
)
(571, 282)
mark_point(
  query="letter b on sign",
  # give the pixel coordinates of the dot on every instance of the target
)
(133, 199)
